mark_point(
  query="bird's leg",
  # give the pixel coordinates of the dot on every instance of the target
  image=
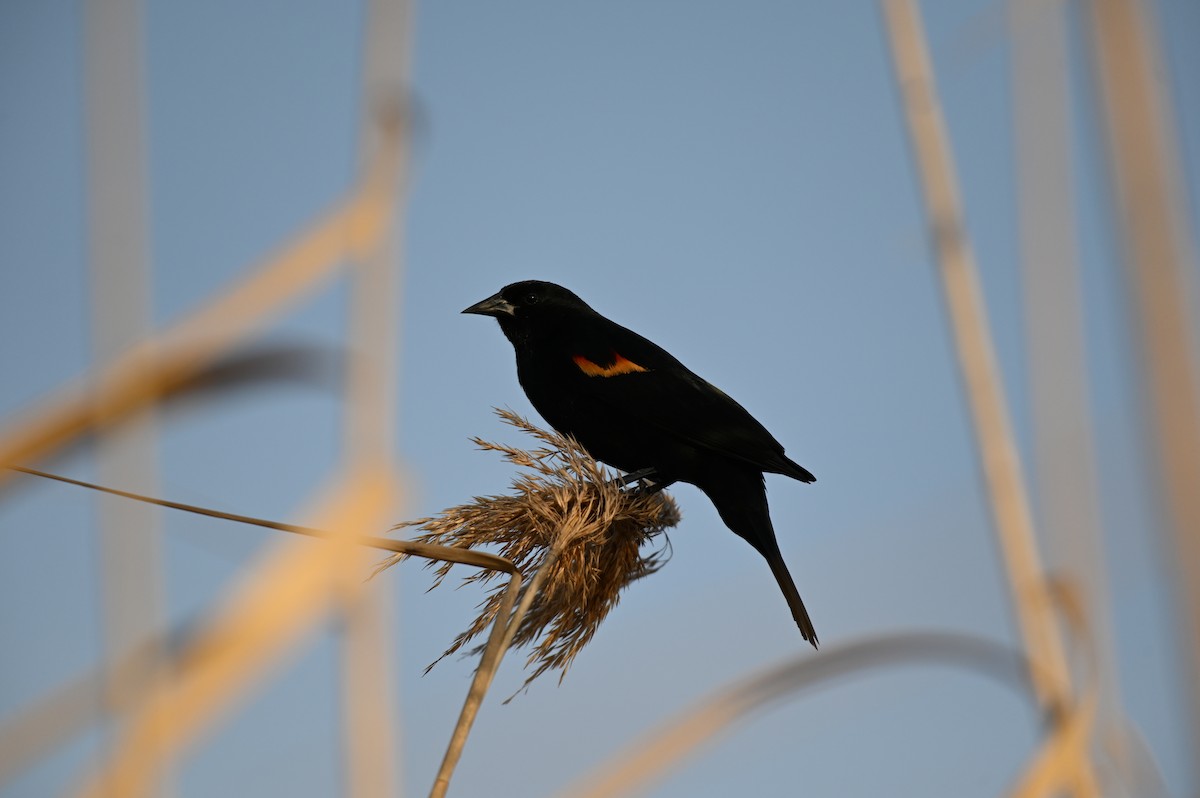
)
(651, 481)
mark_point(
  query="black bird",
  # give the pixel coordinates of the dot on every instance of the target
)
(632, 405)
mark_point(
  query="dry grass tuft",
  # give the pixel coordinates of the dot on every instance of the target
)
(568, 516)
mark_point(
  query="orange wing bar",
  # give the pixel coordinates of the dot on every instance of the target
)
(619, 365)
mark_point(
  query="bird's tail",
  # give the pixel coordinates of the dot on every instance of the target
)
(741, 499)
(788, 586)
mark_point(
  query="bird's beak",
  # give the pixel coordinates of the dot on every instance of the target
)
(492, 306)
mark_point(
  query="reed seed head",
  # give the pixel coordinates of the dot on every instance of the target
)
(563, 501)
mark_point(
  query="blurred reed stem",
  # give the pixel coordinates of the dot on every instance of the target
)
(1157, 259)
(1000, 463)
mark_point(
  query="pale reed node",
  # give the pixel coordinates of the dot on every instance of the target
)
(567, 515)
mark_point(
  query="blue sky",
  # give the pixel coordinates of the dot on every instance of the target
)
(732, 181)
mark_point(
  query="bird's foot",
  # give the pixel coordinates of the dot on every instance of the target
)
(645, 480)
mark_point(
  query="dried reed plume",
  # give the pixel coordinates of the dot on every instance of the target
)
(568, 516)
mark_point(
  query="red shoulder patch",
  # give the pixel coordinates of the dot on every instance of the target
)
(618, 365)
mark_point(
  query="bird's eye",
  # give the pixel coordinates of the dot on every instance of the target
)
(532, 298)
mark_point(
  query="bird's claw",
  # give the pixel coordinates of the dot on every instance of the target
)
(645, 480)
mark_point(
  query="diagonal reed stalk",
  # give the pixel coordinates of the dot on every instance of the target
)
(976, 357)
(505, 626)
(43, 721)
(159, 364)
(430, 551)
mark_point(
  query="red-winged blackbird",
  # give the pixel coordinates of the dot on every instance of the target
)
(632, 405)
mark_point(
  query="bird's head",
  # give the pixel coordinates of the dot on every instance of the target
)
(528, 305)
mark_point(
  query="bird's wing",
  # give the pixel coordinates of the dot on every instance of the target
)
(642, 381)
